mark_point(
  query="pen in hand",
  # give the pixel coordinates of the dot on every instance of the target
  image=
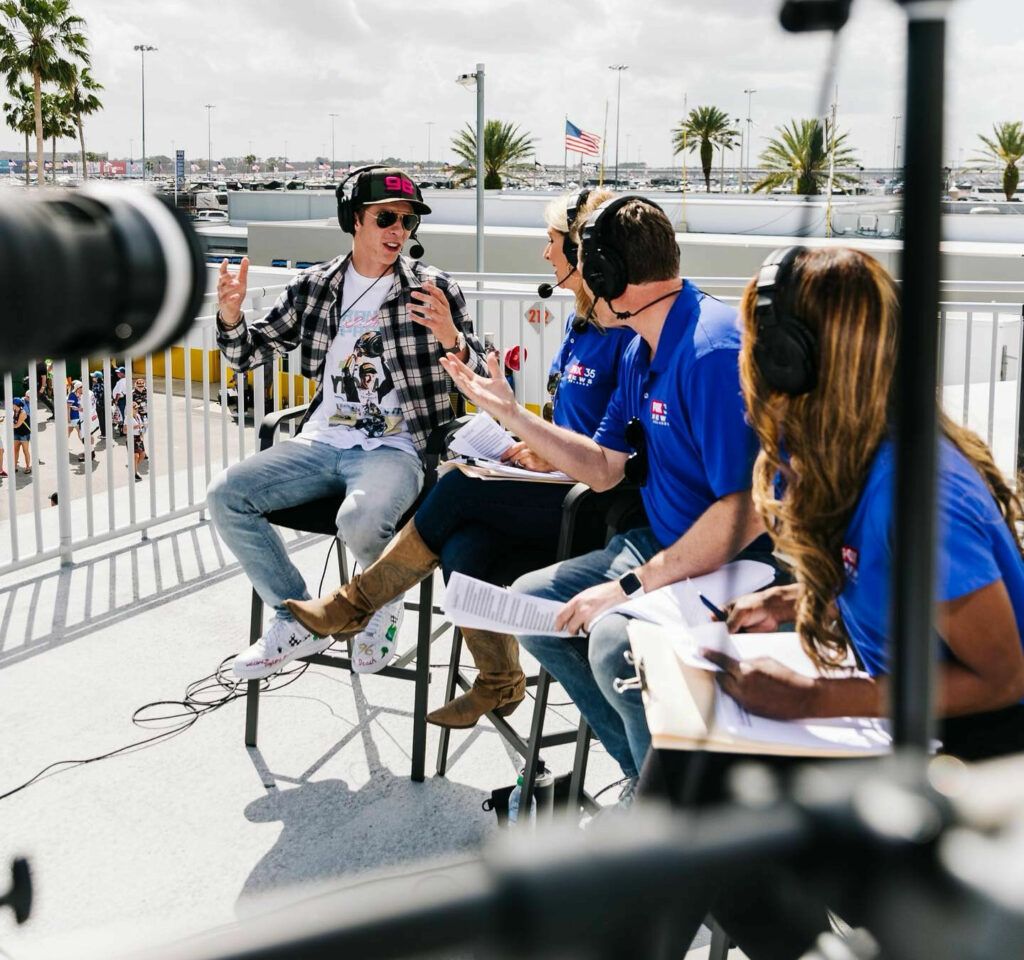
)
(719, 614)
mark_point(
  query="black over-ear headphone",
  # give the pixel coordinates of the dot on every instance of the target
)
(570, 248)
(346, 208)
(604, 267)
(785, 348)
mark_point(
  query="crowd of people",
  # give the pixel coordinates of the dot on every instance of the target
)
(87, 414)
(760, 432)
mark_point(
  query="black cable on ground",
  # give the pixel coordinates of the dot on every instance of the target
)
(202, 696)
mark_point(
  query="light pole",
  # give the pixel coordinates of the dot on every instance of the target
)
(209, 137)
(895, 141)
(745, 162)
(429, 123)
(333, 117)
(131, 155)
(470, 80)
(143, 49)
(618, 68)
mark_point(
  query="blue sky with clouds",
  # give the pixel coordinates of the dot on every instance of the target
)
(275, 71)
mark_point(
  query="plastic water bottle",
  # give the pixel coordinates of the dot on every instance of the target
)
(513, 803)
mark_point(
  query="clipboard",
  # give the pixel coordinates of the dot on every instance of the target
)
(686, 710)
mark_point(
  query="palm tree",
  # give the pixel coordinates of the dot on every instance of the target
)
(20, 116)
(504, 148)
(41, 38)
(801, 154)
(82, 101)
(56, 123)
(707, 128)
(1005, 148)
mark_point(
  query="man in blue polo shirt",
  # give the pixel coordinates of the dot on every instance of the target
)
(676, 425)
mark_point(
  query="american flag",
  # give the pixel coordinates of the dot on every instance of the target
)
(580, 141)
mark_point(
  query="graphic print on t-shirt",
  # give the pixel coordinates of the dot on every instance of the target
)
(363, 390)
(360, 405)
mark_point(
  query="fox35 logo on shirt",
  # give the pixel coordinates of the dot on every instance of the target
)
(851, 559)
(659, 413)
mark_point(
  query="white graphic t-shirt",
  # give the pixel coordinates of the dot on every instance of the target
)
(360, 407)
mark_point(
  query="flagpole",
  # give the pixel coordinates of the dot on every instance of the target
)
(831, 165)
(684, 225)
(565, 154)
(604, 140)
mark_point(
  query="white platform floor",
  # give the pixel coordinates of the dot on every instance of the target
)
(198, 832)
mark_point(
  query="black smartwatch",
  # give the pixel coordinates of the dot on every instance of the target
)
(631, 585)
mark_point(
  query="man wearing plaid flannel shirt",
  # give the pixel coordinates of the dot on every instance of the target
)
(376, 308)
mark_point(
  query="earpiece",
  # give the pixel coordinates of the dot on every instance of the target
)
(785, 348)
(570, 250)
(346, 209)
(572, 208)
(604, 266)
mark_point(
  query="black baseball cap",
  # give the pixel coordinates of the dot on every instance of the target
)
(384, 186)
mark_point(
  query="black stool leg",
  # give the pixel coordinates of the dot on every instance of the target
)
(419, 710)
(449, 694)
(536, 734)
(719, 940)
(252, 690)
(579, 765)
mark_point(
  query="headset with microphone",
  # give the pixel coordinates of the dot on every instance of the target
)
(604, 266)
(570, 249)
(785, 348)
(347, 207)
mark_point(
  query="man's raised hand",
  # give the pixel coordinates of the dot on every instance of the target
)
(492, 394)
(231, 292)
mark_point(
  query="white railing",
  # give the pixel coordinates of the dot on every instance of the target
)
(196, 428)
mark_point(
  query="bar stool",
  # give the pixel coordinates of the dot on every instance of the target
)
(617, 509)
(318, 516)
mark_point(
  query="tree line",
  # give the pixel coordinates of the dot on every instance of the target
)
(803, 155)
(45, 67)
(44, 64)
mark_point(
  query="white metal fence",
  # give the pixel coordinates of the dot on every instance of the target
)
(201, 419)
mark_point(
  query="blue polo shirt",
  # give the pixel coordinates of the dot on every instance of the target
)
(587, 365)
(699, 445)
(974, 548)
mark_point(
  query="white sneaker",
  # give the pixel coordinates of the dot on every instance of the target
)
(283, 641)
(376, 646)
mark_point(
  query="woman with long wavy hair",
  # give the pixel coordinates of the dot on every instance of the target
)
(824, 484)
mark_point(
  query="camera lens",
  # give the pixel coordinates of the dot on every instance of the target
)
(99, 269)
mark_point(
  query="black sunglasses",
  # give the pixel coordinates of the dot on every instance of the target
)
(387, 218)
(635, 469)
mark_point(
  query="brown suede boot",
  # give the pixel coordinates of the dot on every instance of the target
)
(347, 611)
(499, 686)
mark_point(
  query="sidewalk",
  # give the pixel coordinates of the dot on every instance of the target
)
(195, 832)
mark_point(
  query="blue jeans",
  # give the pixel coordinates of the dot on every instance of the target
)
(587, 667)
(487, 528)
(378, 487)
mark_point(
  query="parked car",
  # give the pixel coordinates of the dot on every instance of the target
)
(210, 216)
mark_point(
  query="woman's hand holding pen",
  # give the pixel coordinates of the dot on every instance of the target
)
(765, 611)
(765, 687)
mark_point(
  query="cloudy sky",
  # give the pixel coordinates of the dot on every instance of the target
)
(276, 71)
